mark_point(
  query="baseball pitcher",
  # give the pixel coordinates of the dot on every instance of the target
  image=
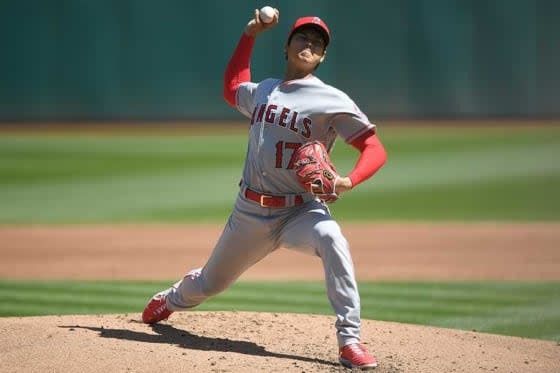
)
(288, 180)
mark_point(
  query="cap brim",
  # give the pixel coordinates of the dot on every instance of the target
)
(316, 27)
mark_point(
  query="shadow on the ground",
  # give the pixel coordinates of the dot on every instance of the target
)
(167, 334)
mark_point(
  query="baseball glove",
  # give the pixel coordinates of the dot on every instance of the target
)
(315, 171)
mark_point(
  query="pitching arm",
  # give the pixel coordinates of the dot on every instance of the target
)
(238, 69)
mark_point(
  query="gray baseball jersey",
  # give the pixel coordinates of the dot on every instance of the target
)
(283, 116)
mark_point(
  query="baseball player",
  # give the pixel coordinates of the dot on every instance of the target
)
(272, 209)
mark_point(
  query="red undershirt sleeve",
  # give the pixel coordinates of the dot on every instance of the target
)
(372, 157)
(238, 69)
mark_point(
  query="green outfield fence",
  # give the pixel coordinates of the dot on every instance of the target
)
(141, 59)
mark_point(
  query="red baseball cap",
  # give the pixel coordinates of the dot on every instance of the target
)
(317, 22)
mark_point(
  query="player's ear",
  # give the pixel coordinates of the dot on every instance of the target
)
(324, 55)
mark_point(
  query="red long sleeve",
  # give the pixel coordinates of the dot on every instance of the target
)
(238, 69)
(372, 157)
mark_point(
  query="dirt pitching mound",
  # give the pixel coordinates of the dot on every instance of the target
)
(252, 342)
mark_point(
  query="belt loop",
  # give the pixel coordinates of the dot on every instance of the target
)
(242, 187)
(290, 200)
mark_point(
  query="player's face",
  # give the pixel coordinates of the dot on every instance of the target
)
(306, 48)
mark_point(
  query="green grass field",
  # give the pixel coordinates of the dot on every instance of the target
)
(521, 309)
(433, 174)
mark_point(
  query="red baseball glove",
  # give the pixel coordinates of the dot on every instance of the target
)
(315, 171)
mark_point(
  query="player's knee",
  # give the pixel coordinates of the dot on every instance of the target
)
(328, 236)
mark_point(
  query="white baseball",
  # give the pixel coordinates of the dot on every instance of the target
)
(267, 14)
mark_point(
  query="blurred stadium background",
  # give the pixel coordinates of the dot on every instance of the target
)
(164, 60)
(455, 64)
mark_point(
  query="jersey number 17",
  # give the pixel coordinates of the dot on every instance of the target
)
(281, 148)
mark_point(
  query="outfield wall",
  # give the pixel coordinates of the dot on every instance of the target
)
(141, 59)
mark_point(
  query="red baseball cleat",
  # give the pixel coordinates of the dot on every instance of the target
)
(156, 310)
(355, 356)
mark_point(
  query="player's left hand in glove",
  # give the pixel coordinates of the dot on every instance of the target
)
(315, 171)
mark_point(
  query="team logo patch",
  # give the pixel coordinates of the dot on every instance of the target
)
(328, 174)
